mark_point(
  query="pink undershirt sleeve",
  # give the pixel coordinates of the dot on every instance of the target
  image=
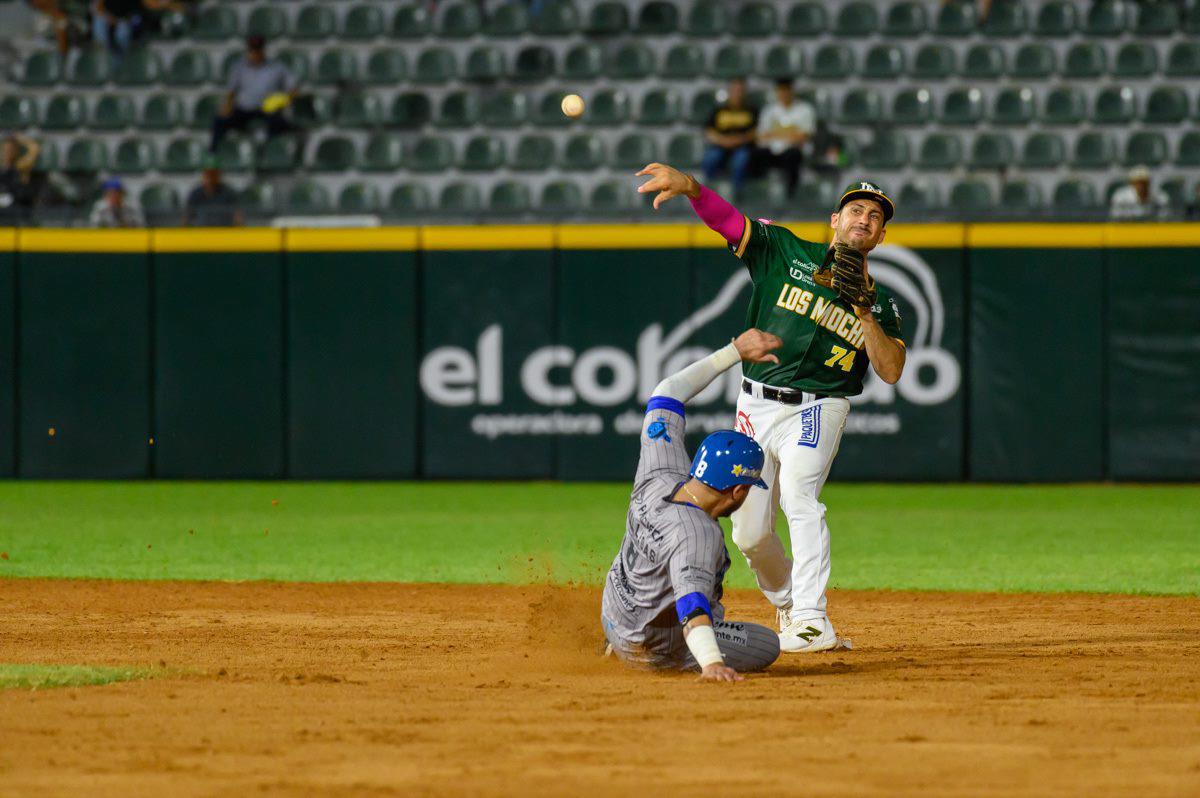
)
(719, 215)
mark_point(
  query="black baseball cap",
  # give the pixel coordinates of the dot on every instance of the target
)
(865, 189)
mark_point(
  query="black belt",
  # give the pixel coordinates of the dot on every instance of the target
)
(780, 395)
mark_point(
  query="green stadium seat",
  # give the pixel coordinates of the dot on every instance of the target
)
(1057, 19)
(585, 62)
(906, 20)
(308, 198)
(704, 102)
(1107, 18)
(548, 110)
(534, 153)
(112, 112)
(962, 107)
(888, 150)
(1064, 105)
(708, 19)
(236, 154)
(1005, 18)
(362, 23)
(1085, 60)
(460, 199)
(1020, 197)
(86, 156)
(920, 195)
(558, 18)
(436, 65)
(1157, 19)
(314, 110)
(386, 67)
(783, 61)
(485, 63)
(63, 112)
(1094, 150)
(1034, 61)
(161, 107)
(384, 152)
(1166, 105)
(984, 62)
(992, 151)
(297, 63)
(1146, 148)
(912, 107)
(1074, 197)
(159, 199)
(268, 21)
(411, 22)
(630, 61)
(459, 21)
(509, 198)
(756, 20)
(820, 99)
(410, 111)
(1176, 191)
(972, 198)
(934, 62)
(560, 198)
(660, 108)
(1043, 151)
(40, 69)
(733, 61)
(1136, 60)
(189, 68)
(134, 157)
(684, 62)
(608, 108)
(940, 151)
(1189, 149)
(507, 21)
(633, 151)
(18, 112)
(856, 20)
(504, 109)
(955, 19)
(431, 154)
(357, 110)
(1115, 105)
(336, 66)
(684, 150)
(90, 67)
(1191, 21)
(410, 199)
(458, 110)
(832, 62)
(657, 18)
(760, 197)
(607, 19)
(1183, 60)
(806, 19)
(1013, 106)
(359, 199)
(258, 199)
(279, 154)
(533, 64)
(231, 59)
(583, 152)
(884, 62)
(215, 22)
(861, 107)
(47, 160)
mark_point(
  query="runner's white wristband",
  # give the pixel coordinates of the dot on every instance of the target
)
(725, 358)
(702, 642)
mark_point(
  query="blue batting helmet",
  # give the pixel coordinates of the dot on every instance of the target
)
(728, 458)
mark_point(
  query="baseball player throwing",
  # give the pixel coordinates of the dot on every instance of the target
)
(833, 320)
(662, 597)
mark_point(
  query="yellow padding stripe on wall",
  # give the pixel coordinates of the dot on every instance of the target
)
(368, 239)
(623, 236)
(488, 237)
(51, 239)
(218, 239)
(1037, 236)
(8, 239)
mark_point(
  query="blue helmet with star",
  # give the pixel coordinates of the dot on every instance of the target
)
(727, 458)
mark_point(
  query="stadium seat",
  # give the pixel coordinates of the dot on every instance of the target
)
(63, 112)
(733, 61)
(558, 18)
(204, 109)
(586, 61)
(1176, 191)
(660, 108)
(1085, 60)
(357, 110)
(460, 199)
(548, 110)
(612, 197)
(1020, 197)
(18, 112)
(962, 107)
(783, 61)
(410, 111)
(685, 150)
(832, 62)
(459, 20)
(1043, 151)
(258, 199)
(607, 19)
(134, 157)
(657, 18)
(983, 62)
(363, 22)
(410, 199)
(159, 199)
(1094, 150)
(90, 67)
(1183, 60)
(534, 153)
(279, 155)
(47, 159)
(533, 64)
(506, 21)
(1073, 197)
(1146, 148)
(189, 68)
(1106, 18)
(906, 20)
(1005, 18)
(708, 19)
(386, 67)
(972, 198)
(359, 198)
(630, 61)
(40, 69)
(955, 20)
(1191, 21)
(920, 195)
(308, 198)
(86, 156)
(884, 62)
(297, 63)
(702, 105)
(215, 22)
(1064, 105)
(1189, 150)
(509, 198)
(431, 154)
(1057, 19)
(236, 154)
(1157, 19)
(485, 63)
(888, 150)
(1034, 61)
(336, 66)
(583, 152)
(992, 151)
(458, 110)
(231, 59)
(856, 20)
(684, 62)
(820, 99)
(560, 198)
(756, 20)
(112, 112)
(940, 151)
(268, 21)
(1114, 105)
(1136, 60)
(482, 154)
(934, 62)
(1166, 105)
(503, 109)
(384, 152)
(861, 107)
(436, 65)
(912, 107)
(806, 19)
(314, 110)
(1013, 106)
(411, 22)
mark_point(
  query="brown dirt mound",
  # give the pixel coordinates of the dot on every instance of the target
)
(456, 690)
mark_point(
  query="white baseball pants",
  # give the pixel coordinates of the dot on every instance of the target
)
(800, 442)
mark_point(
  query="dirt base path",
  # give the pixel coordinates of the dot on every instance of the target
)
(450, 690)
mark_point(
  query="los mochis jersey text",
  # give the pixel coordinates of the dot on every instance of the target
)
(823, 312)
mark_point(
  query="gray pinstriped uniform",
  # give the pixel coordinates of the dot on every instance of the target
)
(669, 551)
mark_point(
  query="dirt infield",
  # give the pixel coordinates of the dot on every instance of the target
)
(286, 689)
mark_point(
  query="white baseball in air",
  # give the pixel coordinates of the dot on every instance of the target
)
(572, 105)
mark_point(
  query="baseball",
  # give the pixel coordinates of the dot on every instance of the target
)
(572, 105)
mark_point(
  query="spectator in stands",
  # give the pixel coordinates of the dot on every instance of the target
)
(785, 128)
(212, 203)
(59, 17)
(115, 23)
(259, 89)
(730, 132)
(114, 210)
(1136, 201)
(19, 187)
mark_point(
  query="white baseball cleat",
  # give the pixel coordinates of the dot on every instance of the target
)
(808, 636)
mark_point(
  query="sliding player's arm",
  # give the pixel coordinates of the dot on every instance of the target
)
(753, 346)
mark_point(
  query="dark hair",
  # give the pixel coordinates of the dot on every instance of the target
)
(784, 83)
(256, 41)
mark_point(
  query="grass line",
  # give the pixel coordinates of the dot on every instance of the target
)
(39, 676)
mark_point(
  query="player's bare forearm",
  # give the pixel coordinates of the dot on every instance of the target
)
(886, 353)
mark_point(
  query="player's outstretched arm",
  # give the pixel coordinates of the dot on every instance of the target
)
(667, 182)
(702, 642)
(752, 346)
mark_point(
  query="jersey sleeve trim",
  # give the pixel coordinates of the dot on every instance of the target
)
(899, 340)
(691, 606)
(745, 240)
(666, 403)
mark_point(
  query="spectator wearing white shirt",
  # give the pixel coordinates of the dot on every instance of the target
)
(784, 128)
(114, 210)
(1135, 201)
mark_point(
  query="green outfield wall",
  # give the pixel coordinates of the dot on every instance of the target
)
(1035, 352)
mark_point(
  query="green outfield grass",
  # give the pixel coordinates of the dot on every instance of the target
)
(36, 677)
(1135, 539)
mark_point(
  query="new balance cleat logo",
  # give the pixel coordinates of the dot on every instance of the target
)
(808, 634)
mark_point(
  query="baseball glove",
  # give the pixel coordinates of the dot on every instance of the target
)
(849, 278)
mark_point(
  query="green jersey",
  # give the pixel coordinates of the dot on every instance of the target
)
(824, 346)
